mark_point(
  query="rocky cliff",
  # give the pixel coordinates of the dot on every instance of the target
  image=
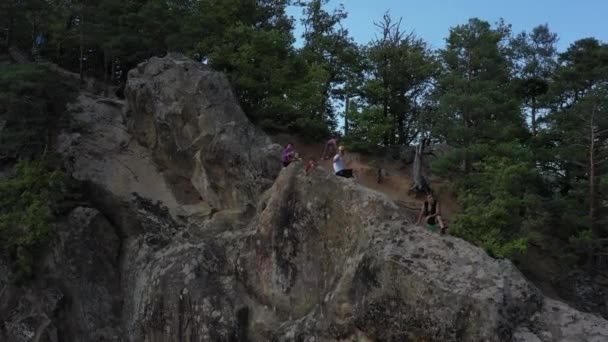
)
(194, 233)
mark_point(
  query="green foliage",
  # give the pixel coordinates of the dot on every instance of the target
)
(584, 242)
(367, 130)
(476, 100)
(535, 65)
(30, 203)
(20, 19)
(331, 57)
(398, 68)
(32, 99)
(500, 206)
(252, 43)
(448, 164)
(576, 150)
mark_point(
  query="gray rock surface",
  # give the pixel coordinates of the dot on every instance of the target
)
(559, 322)
(585, 291)
(343, 257)
(197, 131)
(193, 239)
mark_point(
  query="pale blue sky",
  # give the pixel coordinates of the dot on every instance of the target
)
(431, 19)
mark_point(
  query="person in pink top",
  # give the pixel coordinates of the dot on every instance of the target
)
(331, 147)
(289, 154)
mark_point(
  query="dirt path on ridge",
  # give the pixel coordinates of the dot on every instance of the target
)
(395, 185)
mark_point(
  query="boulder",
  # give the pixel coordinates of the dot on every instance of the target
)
(188, 116)
(335, 257)
(181, 291)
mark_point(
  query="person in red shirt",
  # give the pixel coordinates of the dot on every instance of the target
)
(311, 164)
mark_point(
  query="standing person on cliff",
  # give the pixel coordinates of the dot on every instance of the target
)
(331, 146)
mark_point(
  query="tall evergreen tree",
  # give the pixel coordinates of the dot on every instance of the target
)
(475, 95)
(579, 127)
(399, 69)
(329, 52)
(536, 55)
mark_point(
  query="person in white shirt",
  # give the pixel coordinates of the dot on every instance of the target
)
(339, 168)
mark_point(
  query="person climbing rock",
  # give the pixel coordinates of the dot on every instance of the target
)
(431, 212)
(289, 154)
(339, 168)
(331, 146)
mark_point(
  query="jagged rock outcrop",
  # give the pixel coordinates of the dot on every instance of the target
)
(193, 239)
(197, 131)
(342, 258)
(159, 197)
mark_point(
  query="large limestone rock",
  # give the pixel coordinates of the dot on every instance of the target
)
(335, 257)
(334, 260)
(195, 240)
(178, 281)
(189, 118)
(99, 150)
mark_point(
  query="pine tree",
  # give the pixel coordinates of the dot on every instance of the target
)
(536, 55)
(330, 53)
(474, 92)
(579, 124)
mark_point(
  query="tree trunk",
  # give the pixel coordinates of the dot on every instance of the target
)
(420, 185)
(400, 118)
(466, 156)
(346, 105)
(593, 191)
(113, 77)
(393, 131)
(533, 118)
(465, 120)
(9, 33)
(325, 98)
(105, 72)
(385, 112)
(81, 64)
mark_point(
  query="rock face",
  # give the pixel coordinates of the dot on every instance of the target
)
(197, 131)
(191, 238)
(559, 322)
(77, 296)
(343, 257)
(585, 292)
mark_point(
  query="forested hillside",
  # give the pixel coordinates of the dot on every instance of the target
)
(528, 123)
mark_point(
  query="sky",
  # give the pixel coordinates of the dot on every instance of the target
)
(431, 19)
